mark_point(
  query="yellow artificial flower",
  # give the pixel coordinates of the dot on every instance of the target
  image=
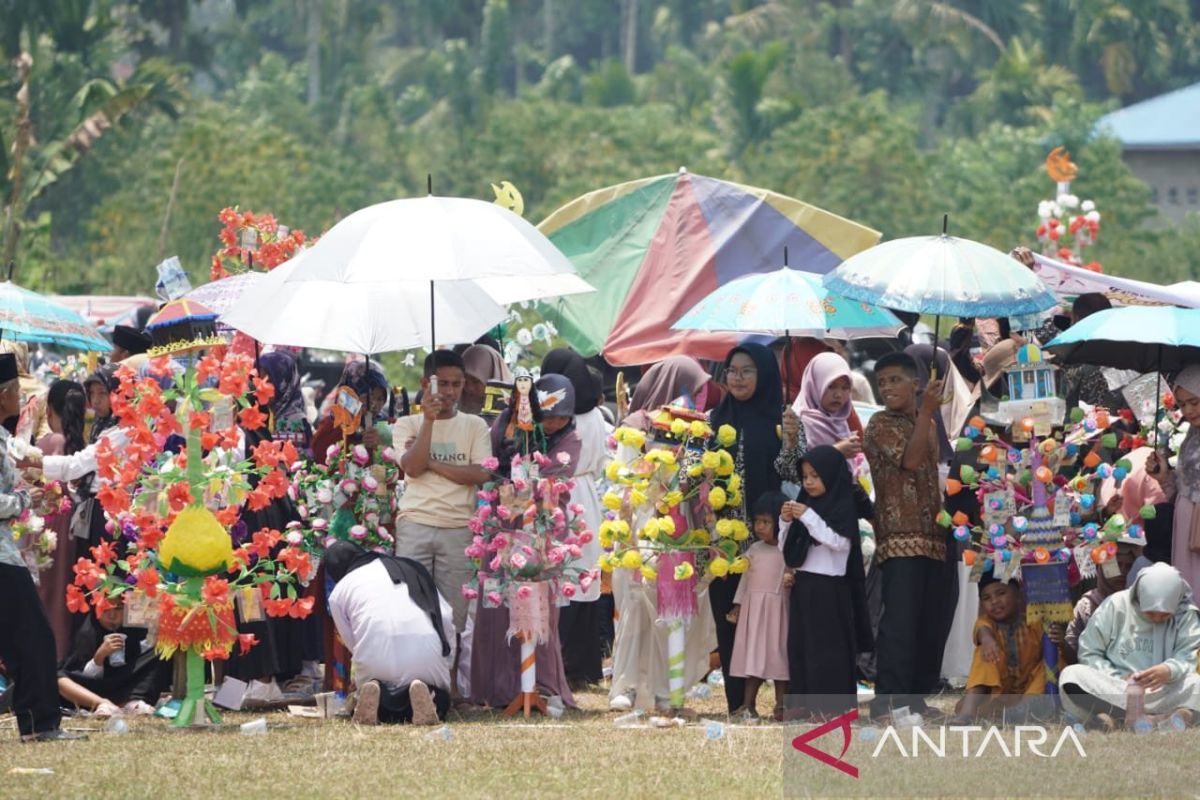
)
(650, 529)
(613, 470)
(719, 567)
(734, 498)
(678, 426)
(726, 435)
(667, 457)
(699, 430)
(710, 460)
(622, 530)
(726, 463)
(631, 437)
(684, 571)
(739, 565)
(716, 498)
(631, 560)
(699, 537)
(666, 526)
(741, 532)
(606, 562)
(694, 470)
(734, 483)
(612, 501)
(637, 497)
(673, 498)
(724, 528)
(649, 573)
(605, 537)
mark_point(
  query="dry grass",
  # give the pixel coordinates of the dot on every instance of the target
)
(581, 755)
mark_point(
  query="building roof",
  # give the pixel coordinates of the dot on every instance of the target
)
(1170, 121)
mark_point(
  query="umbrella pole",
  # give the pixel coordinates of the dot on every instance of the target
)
(937, 334)
(432, 326)
(1157, 397)
(787, 358)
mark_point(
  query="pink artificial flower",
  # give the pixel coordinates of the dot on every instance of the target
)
(294, 525)
(491, 463)
(494, 564)
(319, 525)
(302, 511)
(470, 593)
(292, 494)
(495, 598)
(568, 590)
(503, 512)
(574, 551)
(576, 509)
(474, 551)
(554, 555)
(541, 459)
(329, 540)
(295, 538)
(389, 455)
(361, 455)
(369, 483)
(474, 525)
(484, 512)
(384, 535)
(324, 496)
(586, 537)
(518, 561)
(524, 592)
(520, 484)
(558, 514)
(500, 541)
(331, 452)
(349, 487)
(564, 458)
(358, 532)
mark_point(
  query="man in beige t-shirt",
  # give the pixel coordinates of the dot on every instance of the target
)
(443, 453)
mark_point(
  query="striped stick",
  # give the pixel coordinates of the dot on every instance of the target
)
(528, 664)
(675, 654)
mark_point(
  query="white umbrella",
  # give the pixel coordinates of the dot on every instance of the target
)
(363, 281)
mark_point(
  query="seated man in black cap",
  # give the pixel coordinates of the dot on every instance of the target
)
(389, 614)
(26, 641)
(128, 341)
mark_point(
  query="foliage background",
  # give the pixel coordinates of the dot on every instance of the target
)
(888, 112)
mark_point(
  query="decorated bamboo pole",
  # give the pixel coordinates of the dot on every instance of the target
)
(528, 671)
(529, 622)
(675, 661)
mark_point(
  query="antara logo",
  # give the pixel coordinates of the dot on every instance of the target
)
(843, 722)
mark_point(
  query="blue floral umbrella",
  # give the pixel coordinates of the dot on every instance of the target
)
(27, 316)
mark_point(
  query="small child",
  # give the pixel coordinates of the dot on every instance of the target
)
(1007, 665)
(760, 643)
(829, 624)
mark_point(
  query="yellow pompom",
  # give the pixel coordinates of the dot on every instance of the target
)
(740, 565)
(631, 560)
(649, 573)
(666, 525)
(196, 544)
(606, 563)
(724, 528)
(716, 498)
(726, 435)
(725, 468)
(719, 567)
(613, 470)
(700, 537)
(735, 482)
(694, 470)
(740, 531)
(678, 426)
(710, 460)
(637, 497)
(612, 501)
(699, 430)
(673, 498)
(650, 529)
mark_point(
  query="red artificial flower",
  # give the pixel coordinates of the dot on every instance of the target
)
(102, 603)
(301, 608)
(209, 440)
(267, 453)
(274, 483)
(150, 533)
(114, 499)
(179, 496)
(296, 561)
(227, 516)
(246, 641)
(290, 454)
(278, 608)
(1169, 400)
(106, 457)
(167, 424)
(215, 653)
(104, 553)
(252, 419)
(76, 600)
(263, 542)
(87, 574)
(199, 420)
(215, 591)
(147, 581)
(230, 438)
(264, 392)
(257, 500)
(240, 560)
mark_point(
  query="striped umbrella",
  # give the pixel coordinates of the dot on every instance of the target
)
(27, 316)
(656, 247)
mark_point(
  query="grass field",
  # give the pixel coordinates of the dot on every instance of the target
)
(581, 755)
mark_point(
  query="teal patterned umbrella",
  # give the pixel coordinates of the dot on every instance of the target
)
(27, 316)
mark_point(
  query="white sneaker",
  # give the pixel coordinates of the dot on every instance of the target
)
(622, 702)
(264, 692)
(424, 712)
(366, 707)
(139, 708)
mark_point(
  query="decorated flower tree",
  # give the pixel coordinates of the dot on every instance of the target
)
(1037, 500)
(170, 512)
(669, 518)
(249, 239)
(352, 497)
(527, 551)
(1066, 225)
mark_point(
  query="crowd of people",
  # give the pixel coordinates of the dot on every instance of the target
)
(845, 587)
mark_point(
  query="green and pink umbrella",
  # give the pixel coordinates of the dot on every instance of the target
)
(656, 247)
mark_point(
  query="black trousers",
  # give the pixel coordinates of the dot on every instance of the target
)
(579, 632)
(395, 707)
(720, 599)
(146, 681)
(912, 635)
(28, 650)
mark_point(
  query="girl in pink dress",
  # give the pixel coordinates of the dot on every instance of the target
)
(760, 610)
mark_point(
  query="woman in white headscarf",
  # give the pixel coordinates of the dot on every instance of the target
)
(1182, 484)
(1149, 634)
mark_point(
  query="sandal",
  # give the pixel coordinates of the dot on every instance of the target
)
(106, 709)
(1107, 723)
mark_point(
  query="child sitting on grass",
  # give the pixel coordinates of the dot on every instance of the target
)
(1007, 667)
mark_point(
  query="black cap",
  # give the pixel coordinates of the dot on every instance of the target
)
(8, 368)
(131, 339)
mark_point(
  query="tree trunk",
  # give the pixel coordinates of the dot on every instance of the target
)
(12, 222)
(314, 52)
(548, 29)
(629, 34)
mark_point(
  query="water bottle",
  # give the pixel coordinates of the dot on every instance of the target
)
(1135, 704)
(1172, 724)
(716, 678)
(714, 730)
(868, 734)
(701, 691)
(441, 734)
(116, 725)
(117, 659)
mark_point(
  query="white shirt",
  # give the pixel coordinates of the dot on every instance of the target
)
(829, 551)
(76, 465)
(391, 639)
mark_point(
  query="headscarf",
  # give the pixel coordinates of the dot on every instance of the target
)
(821, 427)
(756, 421)
(953, 413)
(565, 361)
(484, 363)
(342, 558)
(362, 378)
(106, 376)
(281, 370)
(669, 379)
(1159, 587)
(1187, 470)
(794, 360)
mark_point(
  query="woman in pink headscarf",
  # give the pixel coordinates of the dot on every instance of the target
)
(823, 414)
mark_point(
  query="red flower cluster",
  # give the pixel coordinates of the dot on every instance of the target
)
(270, 251)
